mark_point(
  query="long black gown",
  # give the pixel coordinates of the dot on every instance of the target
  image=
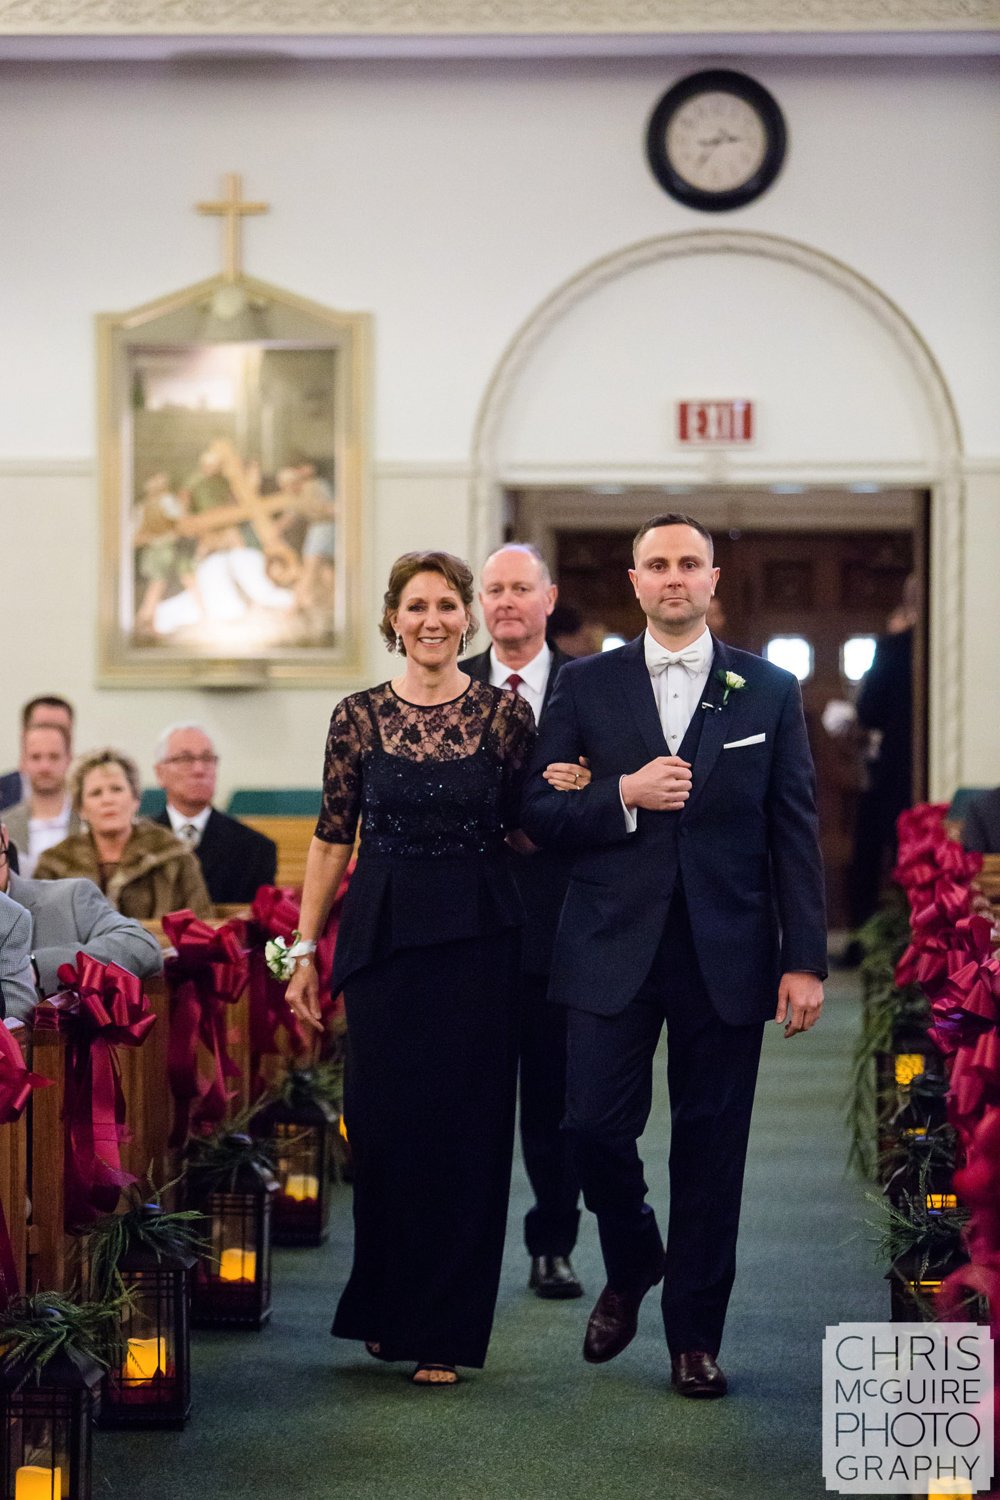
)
(427, 957)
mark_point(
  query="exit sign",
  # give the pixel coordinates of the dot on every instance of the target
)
(715, 421)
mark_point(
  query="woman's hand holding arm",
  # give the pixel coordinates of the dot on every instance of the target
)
(325, 866)
(564, 776)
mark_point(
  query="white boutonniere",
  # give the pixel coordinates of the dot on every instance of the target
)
(278, 956)
(732, 682)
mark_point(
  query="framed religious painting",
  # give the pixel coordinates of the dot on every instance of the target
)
(233, 446)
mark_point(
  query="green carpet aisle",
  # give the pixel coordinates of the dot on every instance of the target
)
(291, 1414)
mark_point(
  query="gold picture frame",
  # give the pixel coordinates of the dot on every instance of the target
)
(234, 473)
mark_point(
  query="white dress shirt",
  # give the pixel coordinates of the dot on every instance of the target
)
(678, 691)
(534, 675)
(179, 821)
(44, 833)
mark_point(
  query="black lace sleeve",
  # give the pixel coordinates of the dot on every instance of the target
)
(515, 728)
(338, 819)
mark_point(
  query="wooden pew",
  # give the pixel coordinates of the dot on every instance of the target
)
(988, 879)
(285, 814)
(49, 1245)
(292, 836)
(148, 1105)
(14, 1175)
(32, 1150)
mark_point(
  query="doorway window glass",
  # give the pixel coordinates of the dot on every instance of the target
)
(793, 652)
(856, 656)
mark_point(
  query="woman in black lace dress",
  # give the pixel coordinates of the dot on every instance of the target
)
(427, 957)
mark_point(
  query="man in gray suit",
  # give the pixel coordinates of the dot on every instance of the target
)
(17, 988)
(71, 916)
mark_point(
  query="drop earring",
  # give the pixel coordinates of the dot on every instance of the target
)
(399, 644)
(463, 643)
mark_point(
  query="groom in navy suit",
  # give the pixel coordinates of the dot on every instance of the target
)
(696, 898)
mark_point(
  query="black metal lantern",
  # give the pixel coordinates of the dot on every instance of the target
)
(911, 1086)
(232, 1280)
(152, 1385)
(302, 1136)
(46, 1418)
(914, 1282)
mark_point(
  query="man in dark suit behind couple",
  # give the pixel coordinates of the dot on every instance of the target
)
(517, 598)
(696, 898)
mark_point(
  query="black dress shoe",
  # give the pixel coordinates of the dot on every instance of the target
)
(696, 1374)
(614, 1321)
(552, 1276)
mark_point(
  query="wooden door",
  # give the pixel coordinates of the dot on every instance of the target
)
(824, 587)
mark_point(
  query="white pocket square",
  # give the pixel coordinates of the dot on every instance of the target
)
(751, 739)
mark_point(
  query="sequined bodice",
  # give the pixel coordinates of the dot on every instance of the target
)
(427, 781)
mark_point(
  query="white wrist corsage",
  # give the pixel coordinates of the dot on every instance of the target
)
(282, 958)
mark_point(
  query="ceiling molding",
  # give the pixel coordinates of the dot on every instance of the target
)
(491, 18)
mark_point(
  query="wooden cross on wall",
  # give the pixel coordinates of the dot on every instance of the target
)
(233, 210)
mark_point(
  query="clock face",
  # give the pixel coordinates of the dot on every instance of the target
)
(716, 140)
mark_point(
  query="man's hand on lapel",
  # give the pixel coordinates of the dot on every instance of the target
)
(661, 785)
(800, 999)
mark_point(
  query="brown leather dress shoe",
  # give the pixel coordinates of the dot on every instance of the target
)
(613, 1323)
(696, 1374)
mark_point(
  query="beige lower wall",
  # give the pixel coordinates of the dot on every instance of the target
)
(275, 737)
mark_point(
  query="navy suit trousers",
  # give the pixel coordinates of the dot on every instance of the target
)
(711, 1074)
(551, 1224)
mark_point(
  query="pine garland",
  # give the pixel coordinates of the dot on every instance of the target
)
(887, 1011)
(216, 1160)
(137, 1229)
(34, 1329)
(321, 1084)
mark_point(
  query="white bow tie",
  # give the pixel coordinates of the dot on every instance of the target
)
(691, 659)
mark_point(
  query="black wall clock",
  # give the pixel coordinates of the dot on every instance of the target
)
(716, 140)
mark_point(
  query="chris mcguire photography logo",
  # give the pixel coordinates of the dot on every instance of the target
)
(907, 1408)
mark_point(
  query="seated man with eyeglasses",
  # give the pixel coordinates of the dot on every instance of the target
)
(235, 860)
(64, 918)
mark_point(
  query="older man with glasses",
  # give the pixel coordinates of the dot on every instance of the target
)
(235, 860)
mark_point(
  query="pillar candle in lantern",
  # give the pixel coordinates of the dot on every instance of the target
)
(34, 1483)
(909, 1065)
(302, 1186)
(238, 1265)
(145, 1358)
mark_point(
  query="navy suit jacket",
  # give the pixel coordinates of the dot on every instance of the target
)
(235, 860)
(10, 789)
(745, 845)
(540, 878)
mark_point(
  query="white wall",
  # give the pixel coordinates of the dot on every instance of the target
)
(449, 200)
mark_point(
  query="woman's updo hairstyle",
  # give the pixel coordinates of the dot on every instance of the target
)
(456, 574)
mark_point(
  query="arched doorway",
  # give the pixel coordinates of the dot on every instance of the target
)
(849, 393)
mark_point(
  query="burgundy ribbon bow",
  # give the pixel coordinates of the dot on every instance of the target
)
(16, 1084)
(103, 1007)
(207, 973)
(16, 1079)
(274, 913)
